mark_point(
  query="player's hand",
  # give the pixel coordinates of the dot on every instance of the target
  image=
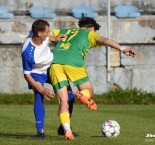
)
(129, 52)
(60, 37)
(48, 94)
(55, 39)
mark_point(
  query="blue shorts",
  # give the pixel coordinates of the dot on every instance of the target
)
(42, 78)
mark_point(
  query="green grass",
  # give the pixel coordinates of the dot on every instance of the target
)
(17, 125)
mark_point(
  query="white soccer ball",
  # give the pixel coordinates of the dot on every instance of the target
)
(110, 128)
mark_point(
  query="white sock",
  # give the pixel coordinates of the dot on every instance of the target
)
(67, 126)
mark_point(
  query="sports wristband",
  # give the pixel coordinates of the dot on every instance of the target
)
(122, 48)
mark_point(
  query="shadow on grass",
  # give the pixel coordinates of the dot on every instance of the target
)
(33, 137)
(22, 136)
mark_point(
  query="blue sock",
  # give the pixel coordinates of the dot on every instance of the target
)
(71, 99)
(39, 111)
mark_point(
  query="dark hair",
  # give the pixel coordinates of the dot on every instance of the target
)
(39, 25)
(88, 22)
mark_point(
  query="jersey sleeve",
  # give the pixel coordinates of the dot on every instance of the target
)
(92, 39)
(56, 32)
(27, 63)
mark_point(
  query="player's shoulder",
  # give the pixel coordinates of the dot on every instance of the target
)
(94, 34)
(26, 44)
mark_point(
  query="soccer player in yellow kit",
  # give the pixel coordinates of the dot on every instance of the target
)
(68, 63)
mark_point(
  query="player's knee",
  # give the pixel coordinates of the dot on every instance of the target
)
(64, 104)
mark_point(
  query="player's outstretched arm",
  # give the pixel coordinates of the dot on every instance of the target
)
(114, 44)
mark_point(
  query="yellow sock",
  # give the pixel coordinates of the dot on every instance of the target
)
(86, 93)
(65, 120)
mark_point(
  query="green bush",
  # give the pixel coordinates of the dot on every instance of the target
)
(115, 96)
(128, 96)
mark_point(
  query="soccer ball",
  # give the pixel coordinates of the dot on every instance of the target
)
(110, 128)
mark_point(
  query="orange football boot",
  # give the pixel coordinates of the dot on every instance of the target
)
(69, 135)
(87, 101)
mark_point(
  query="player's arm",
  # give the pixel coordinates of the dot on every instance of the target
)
(114, 44)
(55, 36)
(37, 86)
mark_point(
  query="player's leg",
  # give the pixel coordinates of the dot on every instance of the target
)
(63, 112)
(71, 98)
(39, 110)
(85, 95)
(60, 83)
(80, 78)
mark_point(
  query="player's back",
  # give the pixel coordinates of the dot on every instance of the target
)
(73, 48)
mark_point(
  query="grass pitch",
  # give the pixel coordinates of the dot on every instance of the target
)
(17, 125)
